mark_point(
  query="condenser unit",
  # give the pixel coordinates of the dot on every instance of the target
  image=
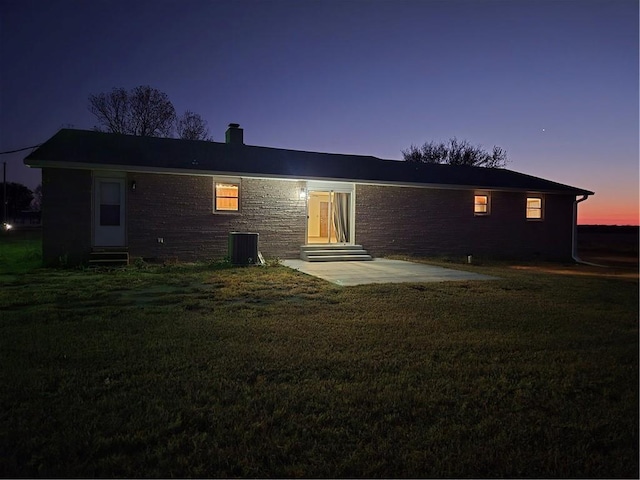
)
(243, 248)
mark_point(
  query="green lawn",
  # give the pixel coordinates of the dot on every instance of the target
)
(20, 251)
(265, 372)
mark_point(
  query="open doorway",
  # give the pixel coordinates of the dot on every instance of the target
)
(329, 217)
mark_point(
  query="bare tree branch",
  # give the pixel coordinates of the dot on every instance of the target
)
(111, 110)
(456, 152)
(152, 112)
(144, 111)
(192, 126)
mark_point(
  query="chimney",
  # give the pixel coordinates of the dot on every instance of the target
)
(234, 134)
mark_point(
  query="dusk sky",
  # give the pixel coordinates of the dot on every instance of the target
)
(554, 83)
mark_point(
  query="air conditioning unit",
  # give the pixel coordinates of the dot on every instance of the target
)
(243, 248)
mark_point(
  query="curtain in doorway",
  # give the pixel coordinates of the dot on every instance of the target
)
(341, 216)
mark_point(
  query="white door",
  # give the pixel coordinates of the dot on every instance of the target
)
(108, 212)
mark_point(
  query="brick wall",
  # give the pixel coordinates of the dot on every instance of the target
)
(179, 209)
(421, 221)
(66, 216)
(401, 220)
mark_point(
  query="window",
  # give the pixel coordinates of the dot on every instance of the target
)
(227, 197)
(109, 204)
(481, 205)
(534, 208)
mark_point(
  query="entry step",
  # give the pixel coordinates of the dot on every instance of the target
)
(110, 258)
(333, 253)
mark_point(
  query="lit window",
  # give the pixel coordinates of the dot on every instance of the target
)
(481, 205)
(227, 197)
(534, 208)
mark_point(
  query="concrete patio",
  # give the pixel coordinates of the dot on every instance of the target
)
(380, 270)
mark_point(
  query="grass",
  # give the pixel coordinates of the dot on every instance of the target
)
(20, 251)
(199, 370)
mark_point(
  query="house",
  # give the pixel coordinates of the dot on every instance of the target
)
(161, 198)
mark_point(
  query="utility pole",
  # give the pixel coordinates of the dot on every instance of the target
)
(4, 194)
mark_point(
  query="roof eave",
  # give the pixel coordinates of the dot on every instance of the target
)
(203, 172)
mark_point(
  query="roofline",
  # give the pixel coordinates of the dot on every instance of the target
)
(212, 173)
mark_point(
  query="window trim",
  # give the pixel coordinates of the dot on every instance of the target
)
(226, 181)
(534, 196)
(487, 212)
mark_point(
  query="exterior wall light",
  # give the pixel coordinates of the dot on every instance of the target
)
(302, 194)
(133, 185)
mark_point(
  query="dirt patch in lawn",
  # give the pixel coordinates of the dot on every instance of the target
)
(583, 270)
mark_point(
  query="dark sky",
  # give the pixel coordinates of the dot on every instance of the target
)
(555, 83)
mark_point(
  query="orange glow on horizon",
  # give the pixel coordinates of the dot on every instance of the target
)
(607, 214)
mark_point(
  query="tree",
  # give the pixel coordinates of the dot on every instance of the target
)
(456, 152)
(191, 126)
(36, 203)
(153, 112)
(19, 198)
(112, 111)
(144, 111)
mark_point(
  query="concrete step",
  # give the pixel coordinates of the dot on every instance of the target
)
(336, 251)
(328, 246)
(108, 258)
(333, 253)
(337, 258)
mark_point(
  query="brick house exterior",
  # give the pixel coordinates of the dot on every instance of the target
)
(191, 232)
(165, 204)
(429, 221)
(66, 216)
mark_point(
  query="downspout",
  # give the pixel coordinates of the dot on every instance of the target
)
(574, 235)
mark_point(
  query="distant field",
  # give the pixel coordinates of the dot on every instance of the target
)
(210, 371)
(609, 245)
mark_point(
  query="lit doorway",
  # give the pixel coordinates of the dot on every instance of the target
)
(329, 217)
